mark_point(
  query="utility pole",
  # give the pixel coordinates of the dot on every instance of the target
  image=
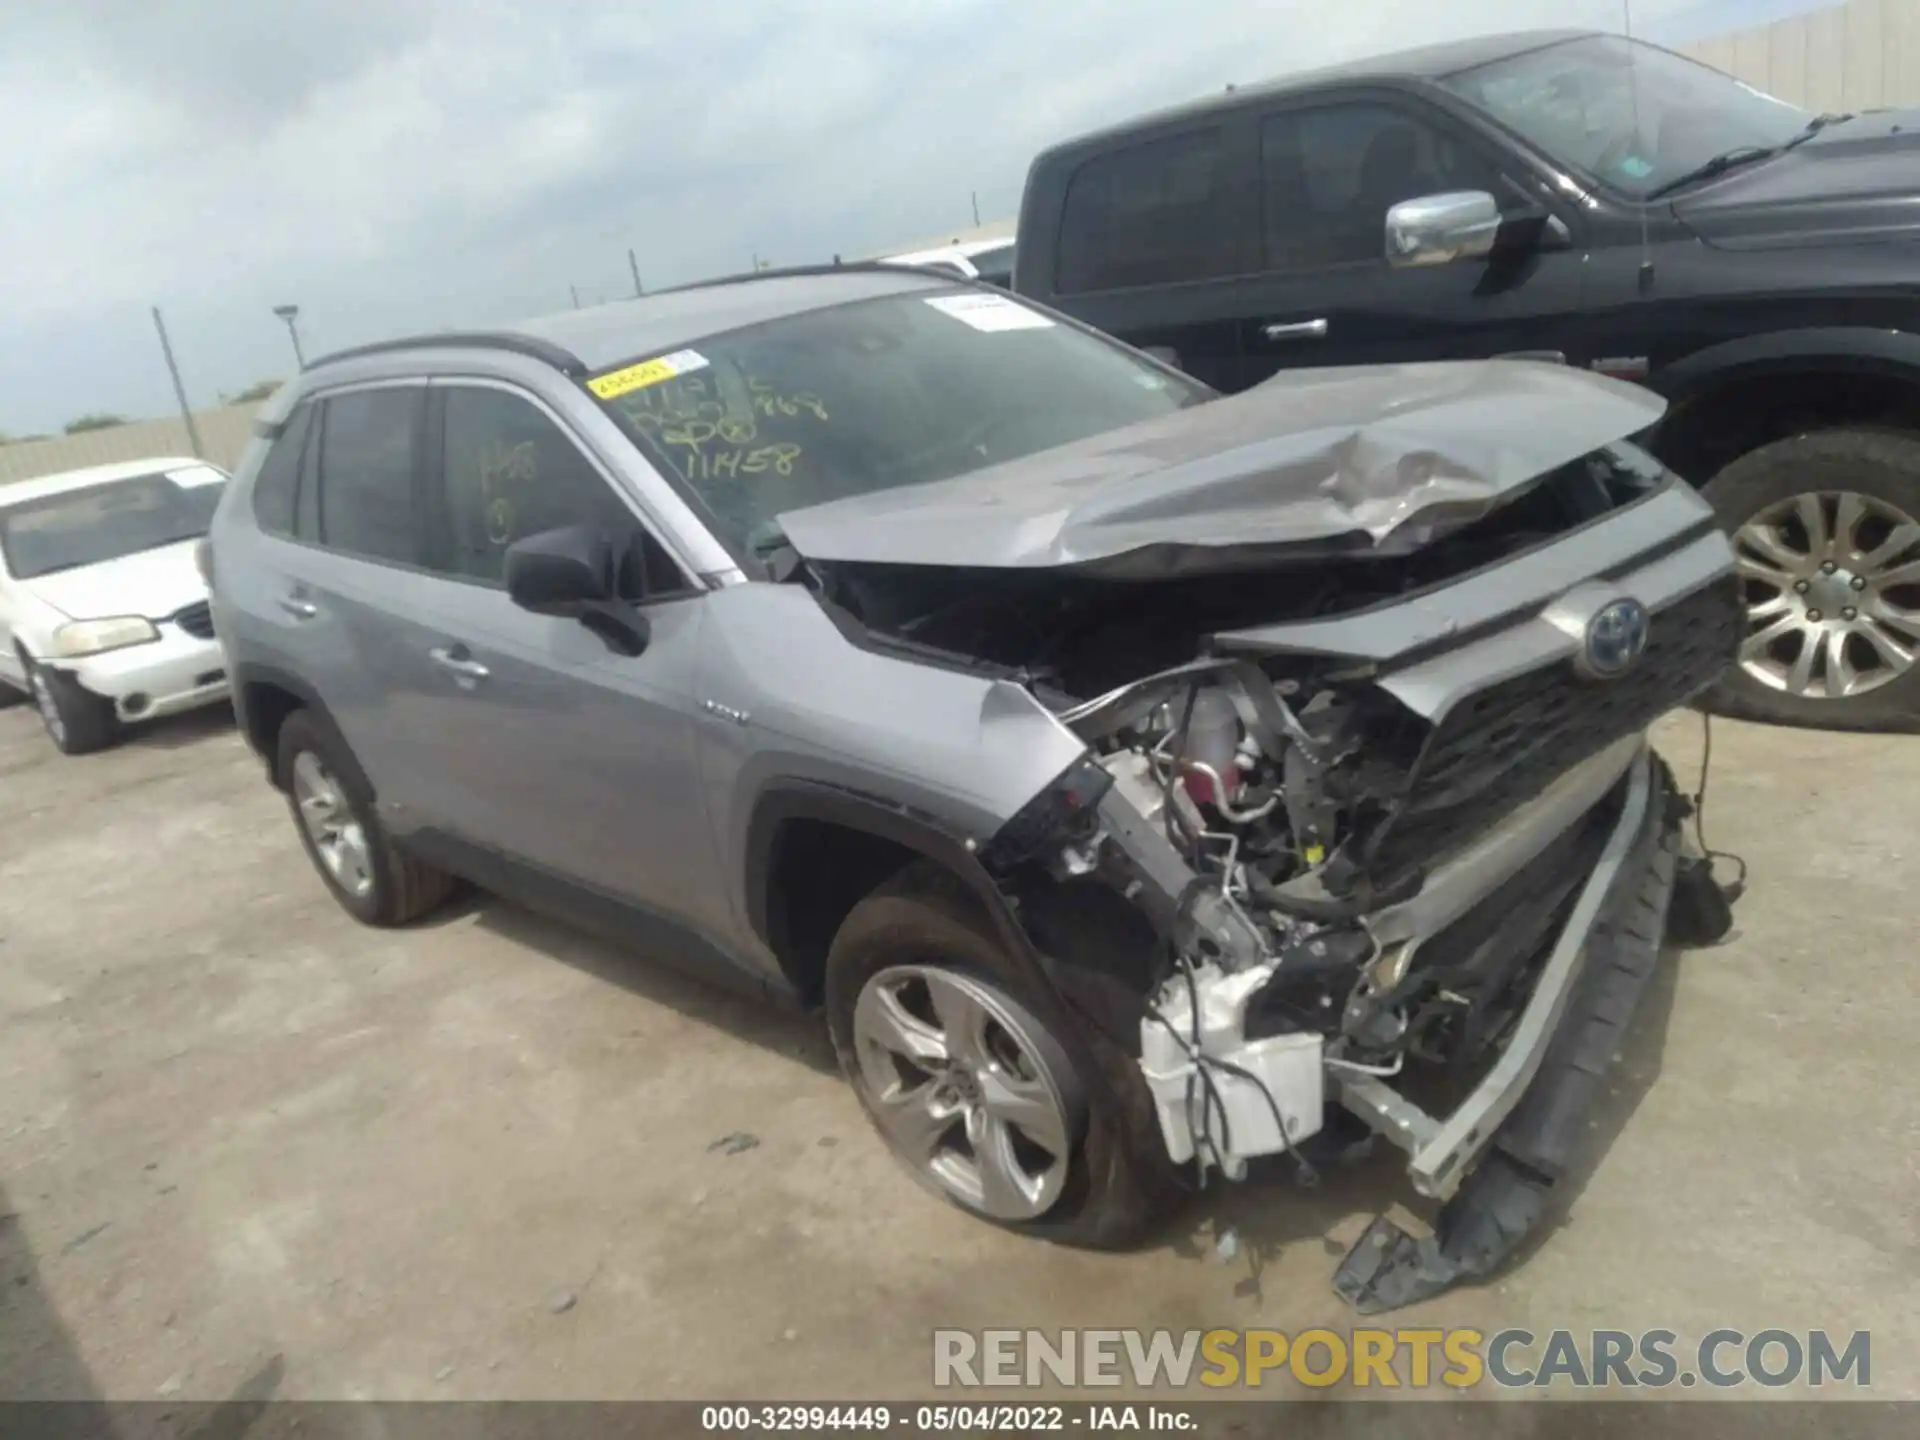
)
(574, 290)
(634, 266)
(179, 390)
(975, 194)
(291, 314)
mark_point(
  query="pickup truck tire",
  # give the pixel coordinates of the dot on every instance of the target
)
(1111, 1184)
(1827, 529)
(76, 720)
(333, 813)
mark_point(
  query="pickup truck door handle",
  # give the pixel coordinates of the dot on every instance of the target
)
(298, 608)
(1296, 330)
(456, 661)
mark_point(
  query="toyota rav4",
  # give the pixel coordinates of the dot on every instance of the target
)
(1142, 780)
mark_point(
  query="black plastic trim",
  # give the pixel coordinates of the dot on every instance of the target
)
(596, 912)
(558, 356)
(785, 800)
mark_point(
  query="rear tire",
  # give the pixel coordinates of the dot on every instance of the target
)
(333, 813)
(1115, 1184)
(76, 720)
(1845, 499)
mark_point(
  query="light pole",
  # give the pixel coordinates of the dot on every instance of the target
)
(291, 313)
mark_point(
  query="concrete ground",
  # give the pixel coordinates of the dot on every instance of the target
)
(247, 1146)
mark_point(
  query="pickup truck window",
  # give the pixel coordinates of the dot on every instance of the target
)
(1330, 173)
(1578, 100)
(1150, 214)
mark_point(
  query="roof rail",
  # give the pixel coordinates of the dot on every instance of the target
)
(557, 356)
(840, 267)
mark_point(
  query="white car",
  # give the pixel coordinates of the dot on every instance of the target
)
(103, 610)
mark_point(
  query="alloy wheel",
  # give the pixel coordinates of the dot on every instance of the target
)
(1832, 582)
(327, 815)
(966, 1087)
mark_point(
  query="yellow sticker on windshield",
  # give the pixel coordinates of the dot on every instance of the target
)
(647, 372)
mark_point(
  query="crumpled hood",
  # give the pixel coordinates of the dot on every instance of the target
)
(1853, 182)
(153, 583)
(1384, 456)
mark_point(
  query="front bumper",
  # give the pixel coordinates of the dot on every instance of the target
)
(1504, 1148)
(162, 677)
(1629, 865)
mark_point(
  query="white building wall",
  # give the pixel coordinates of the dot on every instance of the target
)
(1857, 56)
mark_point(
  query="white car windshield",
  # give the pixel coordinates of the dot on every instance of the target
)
(104, 522)
(1633, 116)
(866, 396)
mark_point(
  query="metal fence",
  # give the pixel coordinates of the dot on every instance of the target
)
(1857, 56)
(224, 434)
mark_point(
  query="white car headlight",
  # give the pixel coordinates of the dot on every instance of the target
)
(90, 637)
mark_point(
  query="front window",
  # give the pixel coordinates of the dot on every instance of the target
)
(104, 522)
(874, 394)
(1636, 117)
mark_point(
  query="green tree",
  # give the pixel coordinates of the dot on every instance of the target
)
(85, 423)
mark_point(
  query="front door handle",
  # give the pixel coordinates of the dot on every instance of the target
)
(298, 608)
(455, 660)
(1297, 330)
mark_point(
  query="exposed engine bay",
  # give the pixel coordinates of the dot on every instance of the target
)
(1264, 804)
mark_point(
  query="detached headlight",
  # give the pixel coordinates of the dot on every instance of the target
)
(90, 637)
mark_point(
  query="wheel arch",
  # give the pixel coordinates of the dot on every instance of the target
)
(1730, 399)
(814, 851)
(263, 697)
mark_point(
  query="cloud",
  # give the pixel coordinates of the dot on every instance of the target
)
(399, 164)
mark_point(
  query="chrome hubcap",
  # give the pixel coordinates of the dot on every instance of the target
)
(1832, 584)
(966, 1087)
(337, 835)
(49, 707)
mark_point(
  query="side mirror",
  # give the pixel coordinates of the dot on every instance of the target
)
(1440, 229)
(574, 573)
(559, 572)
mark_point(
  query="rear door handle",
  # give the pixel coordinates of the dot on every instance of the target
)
(1296, 330)
(298, 608)
(455, 660)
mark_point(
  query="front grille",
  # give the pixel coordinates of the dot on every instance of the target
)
(196, 620)
(1505, 744)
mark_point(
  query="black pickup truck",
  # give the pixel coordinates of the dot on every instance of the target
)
(1574, 197)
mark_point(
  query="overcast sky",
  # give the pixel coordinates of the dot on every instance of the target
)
(394, 165)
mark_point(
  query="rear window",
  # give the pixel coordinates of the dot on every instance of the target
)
(1152, 214)
(368, 443)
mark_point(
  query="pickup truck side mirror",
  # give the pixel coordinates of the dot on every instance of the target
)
(1467, 225)
(1440, 229)
(573, 573)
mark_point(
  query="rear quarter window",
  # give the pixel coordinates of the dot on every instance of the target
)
(276, 487)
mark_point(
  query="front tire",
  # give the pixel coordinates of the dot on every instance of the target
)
(984, 1088)
(76, 720)
(1827, 531)
(334, 815)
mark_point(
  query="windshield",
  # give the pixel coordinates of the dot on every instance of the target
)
(104, 522)
(1577, 102)
(874, 394)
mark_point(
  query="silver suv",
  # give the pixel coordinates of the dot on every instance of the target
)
(1143, 781)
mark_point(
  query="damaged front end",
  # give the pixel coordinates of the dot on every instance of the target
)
(1407, 861)
(1378, 801)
